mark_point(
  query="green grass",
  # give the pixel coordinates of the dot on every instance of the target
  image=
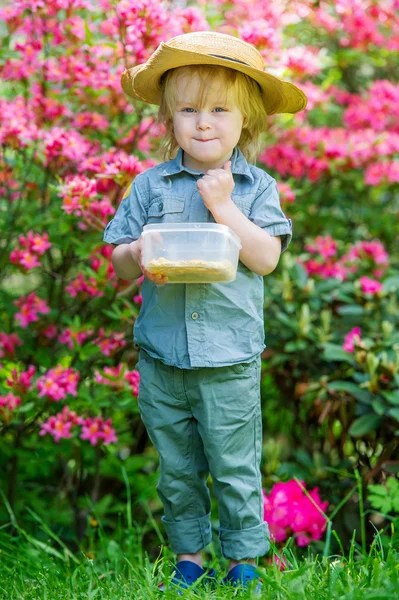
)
(33, 569)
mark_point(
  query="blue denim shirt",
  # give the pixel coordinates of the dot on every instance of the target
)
(199, 325)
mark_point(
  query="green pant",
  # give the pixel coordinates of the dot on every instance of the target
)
(200, 421)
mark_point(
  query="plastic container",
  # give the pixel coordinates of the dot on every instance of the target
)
(191, 252)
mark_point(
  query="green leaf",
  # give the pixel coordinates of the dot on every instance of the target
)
(383, 504)
(333, 352)
(391, 284)
(379, 406)
(353, 310)
(392, 397)
(352, 389)
(295, 346)
(377, 489)
(114, 551)
(286, 320)
(364, 424)
(394, 412)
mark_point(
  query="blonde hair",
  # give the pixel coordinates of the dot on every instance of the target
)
(247, 95)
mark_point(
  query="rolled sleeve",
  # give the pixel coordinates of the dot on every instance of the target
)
(266, 213)
(129, 219)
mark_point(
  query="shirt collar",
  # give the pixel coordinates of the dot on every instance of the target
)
(239, 165)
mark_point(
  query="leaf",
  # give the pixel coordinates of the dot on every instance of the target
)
(352, 310)
(333, 352)
(377, 489)
(289, 321)
(379, 406)
(364, 424)
(352, 389)
(391, 284)
(295, 346)
(394, 412)
(301, 275)
(114, 551)
(392, 397)
(383, 504)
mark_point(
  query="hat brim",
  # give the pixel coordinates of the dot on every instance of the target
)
(143, 81)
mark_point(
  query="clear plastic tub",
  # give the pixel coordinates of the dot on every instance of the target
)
(191, 252)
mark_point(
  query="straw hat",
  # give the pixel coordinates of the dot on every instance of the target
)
(211, 48)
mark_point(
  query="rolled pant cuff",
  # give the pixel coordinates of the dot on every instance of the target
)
(245, 543)
(189, 536)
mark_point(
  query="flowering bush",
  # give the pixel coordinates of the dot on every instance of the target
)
(72, 143)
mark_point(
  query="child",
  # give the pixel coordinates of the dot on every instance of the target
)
(200, 344)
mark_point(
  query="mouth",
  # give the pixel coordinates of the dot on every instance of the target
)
(210, 140)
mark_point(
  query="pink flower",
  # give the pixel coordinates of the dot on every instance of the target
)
(8, 343)
(96, 430)
(57, 383)
(370, 286)
(57, 428)
(289, 511)
(110, 343)
(10, 401)
(60, 425)
(138, 299)
(325, 246)
(286, 193)
(133, 378)
(30, 306)
(22, 382)
(352, 338)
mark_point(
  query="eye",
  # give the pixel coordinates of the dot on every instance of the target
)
(220, 108)
(184, 109)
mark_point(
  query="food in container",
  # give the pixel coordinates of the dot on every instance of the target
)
(191, 252)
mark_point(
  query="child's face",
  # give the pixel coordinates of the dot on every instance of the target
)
(218, 122)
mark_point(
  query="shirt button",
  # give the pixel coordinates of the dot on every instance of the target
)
(194, 316)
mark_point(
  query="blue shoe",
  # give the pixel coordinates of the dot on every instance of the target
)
(186, 573)
(244, 575)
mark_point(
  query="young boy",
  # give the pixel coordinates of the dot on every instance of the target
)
(200, 344)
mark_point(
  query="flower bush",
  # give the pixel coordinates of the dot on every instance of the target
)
(71, 145)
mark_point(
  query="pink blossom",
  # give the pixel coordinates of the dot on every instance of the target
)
(352, 338)
(30, 306)
(286, 193)
(110, 343)
(133, 378)
(288, 511)
(57, 428)
(8, 343)
(97, 429)
(325, 246)
(22, 382)
(72, 338)
(60, 425)
(57, 383)
(84, 287)
(115, 377)
(10, 401)
(138, 299)
(370, 286)
(49, 332)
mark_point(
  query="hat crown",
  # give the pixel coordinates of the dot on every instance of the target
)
(221, 45)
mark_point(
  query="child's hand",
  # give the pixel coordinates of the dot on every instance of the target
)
(137, 253)
(216, 187)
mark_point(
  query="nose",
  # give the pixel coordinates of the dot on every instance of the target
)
(202, 120)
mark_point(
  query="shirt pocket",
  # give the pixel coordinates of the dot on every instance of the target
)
(166, 209)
